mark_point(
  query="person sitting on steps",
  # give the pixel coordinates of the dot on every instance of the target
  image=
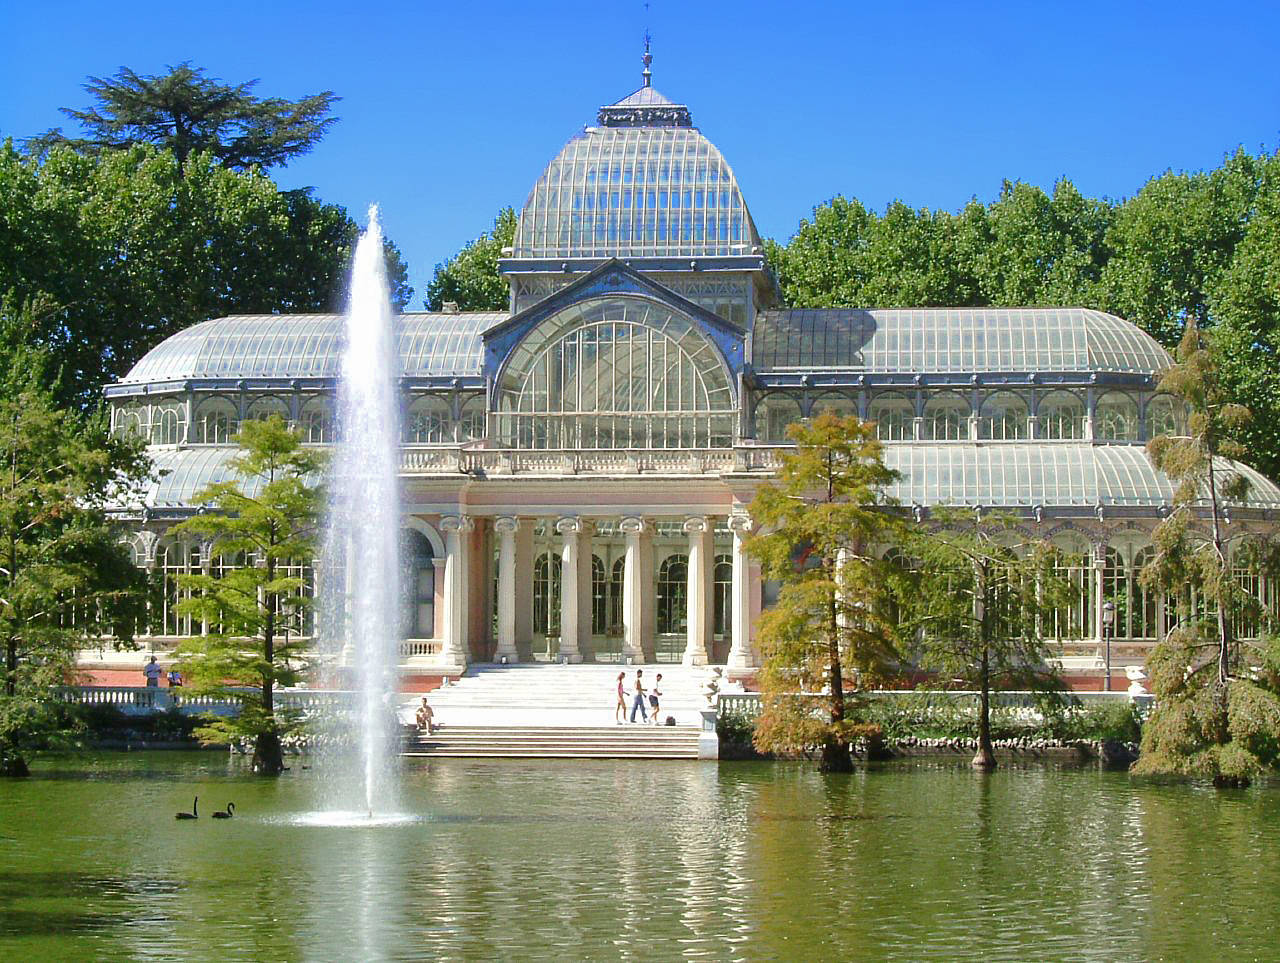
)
(425, 717)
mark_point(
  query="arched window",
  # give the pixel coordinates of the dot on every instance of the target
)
(174, 560)
(774, 414)
(722, 591)
(1144, 599)
(417, 586)
(472, 422)
(1061, 416)
(839, 404)
(317, 421)
(1164, 416)
(599, 596)
(1003, 417)
(1074, 620)
(946, 417)
(216, 421)
(620, 372)
(1116, 590)
(1115, 417)
(673, 593)
(617, 576)
(168, 418)
(894, 416)
(546, 595)
(429, 422)
(130, 419)
(260, 409)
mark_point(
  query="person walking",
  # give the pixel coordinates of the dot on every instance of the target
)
(638, 702)
(620, 713)
(655, 694)
(153, 672)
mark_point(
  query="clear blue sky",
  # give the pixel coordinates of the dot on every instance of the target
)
(451, 110)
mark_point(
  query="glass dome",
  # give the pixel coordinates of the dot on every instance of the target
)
(645, 183)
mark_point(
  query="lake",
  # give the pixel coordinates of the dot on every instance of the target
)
(635, 860)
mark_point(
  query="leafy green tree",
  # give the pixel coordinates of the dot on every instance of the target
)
(188, 112)
(268, 519)
(130, 252)
(827, 633)
(1217, 711)
(977, 595)
(68, 581)
(470, 278)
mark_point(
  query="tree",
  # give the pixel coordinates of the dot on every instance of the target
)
(187, 112)
(129, 251)
(1217, 709)
(470, 278)
(67, 579)
(818, 521)
(977, 596)
(267, 519)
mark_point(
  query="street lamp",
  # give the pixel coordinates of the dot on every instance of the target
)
(1108, 620)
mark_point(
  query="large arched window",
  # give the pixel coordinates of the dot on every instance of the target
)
(673, 593)
(894, 416)
(175, 559)
(1164, 416)
(472, 420)
(546, 595)
(428, 422)
(216, 421)
(722, 584)
(1061, 416)
(599, 596)
(946, 417)
(617, 576)
(619, 372)
(418, 585)
(1004, 417)
(1115, 417)
(838, 404)
(168, 421)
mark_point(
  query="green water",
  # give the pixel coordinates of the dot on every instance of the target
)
(650, 861)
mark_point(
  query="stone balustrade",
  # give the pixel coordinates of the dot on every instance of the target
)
(501, 462)
(141, 700)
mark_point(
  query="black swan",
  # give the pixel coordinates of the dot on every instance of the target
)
(230, 811)
(194, 814)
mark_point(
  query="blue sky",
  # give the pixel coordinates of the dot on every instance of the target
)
(451, 110)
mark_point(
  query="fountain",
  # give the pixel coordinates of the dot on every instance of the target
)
(362, 539)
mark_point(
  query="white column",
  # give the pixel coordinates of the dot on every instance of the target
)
(632, 591)
(506, 527)
(571, 531)
(454, 649)
(698, 596)
(740, 655)
(437, 600)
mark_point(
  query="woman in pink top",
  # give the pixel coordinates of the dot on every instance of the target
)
(620, 714)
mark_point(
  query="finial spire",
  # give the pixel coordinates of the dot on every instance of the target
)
(647, 74)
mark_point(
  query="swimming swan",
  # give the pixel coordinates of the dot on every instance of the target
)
(194, 814)
(230, 811)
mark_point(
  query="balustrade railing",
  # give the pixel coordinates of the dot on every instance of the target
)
(498, 462)
(137, 700)
(750, 704)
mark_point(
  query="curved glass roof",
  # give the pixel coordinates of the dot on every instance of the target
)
(1051, 474)
(656, 189)
(309, 346)
(952, 340)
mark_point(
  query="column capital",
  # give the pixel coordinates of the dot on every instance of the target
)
(695, 525)
(632, 525)
(506, 524)
(572, 525)
(740, 523)
(457, 524)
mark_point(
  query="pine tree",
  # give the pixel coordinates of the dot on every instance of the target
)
(819, 522)
(267, 520)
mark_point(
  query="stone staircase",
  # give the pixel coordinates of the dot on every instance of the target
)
(561, 711)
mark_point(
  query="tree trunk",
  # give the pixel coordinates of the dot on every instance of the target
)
(985, 758)
(268, 756)
(836, 753)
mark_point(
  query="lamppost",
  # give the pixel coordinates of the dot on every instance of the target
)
(1108, 620)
